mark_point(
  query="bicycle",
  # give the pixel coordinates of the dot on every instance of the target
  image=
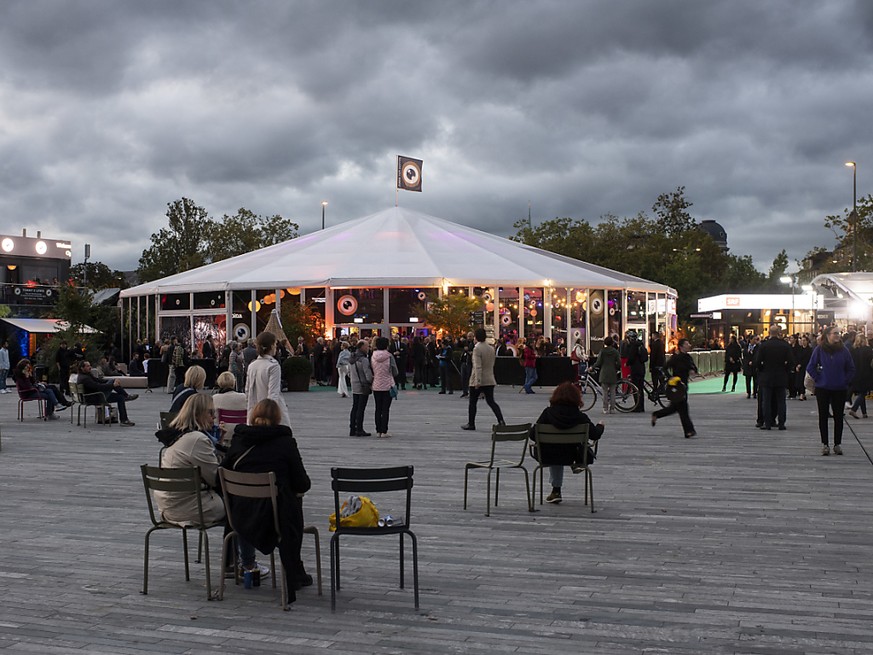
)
(625, 392)
(657, 394)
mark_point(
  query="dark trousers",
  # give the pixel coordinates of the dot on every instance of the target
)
(465, 378)
(356, 417)
(727, 374)
(682, 408)
(772, 397)
(64, 380)
(445, 380)
(488, 392)
(382, 399)
(751, 385)
(119, 397)
(418, 376)
(830, 401)
(639, 381)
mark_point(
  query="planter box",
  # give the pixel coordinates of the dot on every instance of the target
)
(298, 382)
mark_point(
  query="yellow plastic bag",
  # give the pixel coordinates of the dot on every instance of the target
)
(356, 512)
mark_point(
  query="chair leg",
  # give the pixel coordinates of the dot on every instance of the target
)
(530, 506)
(227, 543)
(497, 486)
(488, 494)
(199, 549)
(332, 574)
(283, 598)
(185, 547)
(145, 564)
(401, 560)
(414, 565)
(466, 475)
(590, 480)
(204, 538)
(314, 532)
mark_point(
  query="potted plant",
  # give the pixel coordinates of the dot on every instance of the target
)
(297, 371)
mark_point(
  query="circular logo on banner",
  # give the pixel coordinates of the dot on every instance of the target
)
(576, 334)
(347, 305)
(48, 293)
(597, 305)
(487, 297)
(422, 296)
(17, 291)
(612, 311)
(411, 174)
(241, 331)
(506, 319)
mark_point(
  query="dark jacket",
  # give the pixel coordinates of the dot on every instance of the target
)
(272, 449)
(773, 361)
(749, 358)
(733, 358)
(862, 381)
(565, 417)
(91, 385)
(681, 366)
(658, 355)
(637, 356)
(180, 395)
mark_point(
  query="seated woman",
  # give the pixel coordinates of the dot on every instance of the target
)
(227, 398)
(28, 387)
(266, 445)
(563, 412)
(188, 444)
(195, 378)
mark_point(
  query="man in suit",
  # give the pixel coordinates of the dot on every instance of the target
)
(774, 361)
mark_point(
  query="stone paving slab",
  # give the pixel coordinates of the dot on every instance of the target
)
(738, 541)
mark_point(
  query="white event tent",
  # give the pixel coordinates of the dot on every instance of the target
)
(367, 275)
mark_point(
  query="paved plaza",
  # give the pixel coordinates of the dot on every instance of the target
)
(738, 541)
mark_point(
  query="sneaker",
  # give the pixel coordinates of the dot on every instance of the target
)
(838, 449)
(825, 450)
(52, 417)
(60, 408)
(689, 435)
(128, 424)
(264, 570)
(577, 469)
(132, 396)
(554, 497)
(385, 435)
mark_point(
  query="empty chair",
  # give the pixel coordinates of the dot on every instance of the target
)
(511, 442)
(184, 481)
(368, 481)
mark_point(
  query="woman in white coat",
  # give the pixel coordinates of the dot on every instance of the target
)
(264, 377)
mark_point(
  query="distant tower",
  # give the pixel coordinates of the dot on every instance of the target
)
(717, 233)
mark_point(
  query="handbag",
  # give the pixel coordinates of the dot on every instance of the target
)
(356, 512)
(393, 392)
(809, 383)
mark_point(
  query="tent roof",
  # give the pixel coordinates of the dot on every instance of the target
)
(45, 325)
(396, 247)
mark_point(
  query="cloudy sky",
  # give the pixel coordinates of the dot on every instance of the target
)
(111, 109)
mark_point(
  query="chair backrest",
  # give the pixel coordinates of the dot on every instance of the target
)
(166, 418)
(372, 480)
(239, 416)
(178, 480)
(549, 434)
(248, 485)
(507, 433)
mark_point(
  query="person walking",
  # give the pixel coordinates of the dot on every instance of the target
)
(862, 382)
(529, 362)
(832, 369)
(774, 360)
(445, 362)
(482, 381)
(264, 377)
(637, 356)
(749, 367)
(802, 357)
(361, 375)
(342, 367)
(609, 363)
(733, 363)
(384, 372)
(4, 366)
(657, 359)
(679, 365)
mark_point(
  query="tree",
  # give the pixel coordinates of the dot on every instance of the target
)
(671, 211)
(843, 227)
(180, 246)
(245, 232)
(451, 313)
(99, 276)
(301, 320)
(777, 269)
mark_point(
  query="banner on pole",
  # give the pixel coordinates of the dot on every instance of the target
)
(408, 173)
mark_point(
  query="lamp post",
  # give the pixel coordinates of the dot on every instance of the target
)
(85, 271)
(854, 167)
(323, 205)
(792, 280)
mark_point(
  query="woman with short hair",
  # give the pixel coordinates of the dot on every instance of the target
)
(264, 377)
(267, 445)
(195, 378)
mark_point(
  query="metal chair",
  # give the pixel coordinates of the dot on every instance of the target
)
(577, 436)
(95, 399)
(509, 435)
(372, 480)
(40, 403)
(165, 419)
(178, 480)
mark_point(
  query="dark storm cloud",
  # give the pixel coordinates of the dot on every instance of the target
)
(109, 110)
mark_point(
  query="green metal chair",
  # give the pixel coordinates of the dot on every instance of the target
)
(550, 435)
(504, 439)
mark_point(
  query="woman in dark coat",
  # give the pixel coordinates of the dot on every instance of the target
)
(267, 445)
(862, 382)
(733, 362)
(563, 412)
(801, 358)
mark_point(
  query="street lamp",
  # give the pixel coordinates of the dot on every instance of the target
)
(854, 167)
(792, 280)
(323, 205)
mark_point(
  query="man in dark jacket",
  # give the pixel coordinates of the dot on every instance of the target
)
(773, 361)
(657, 359)
(111, 391)
(680, 365)
(637, 356)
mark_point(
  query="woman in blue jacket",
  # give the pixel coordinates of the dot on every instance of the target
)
(832, 369)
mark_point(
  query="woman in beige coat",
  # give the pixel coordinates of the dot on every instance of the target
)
(188, 444)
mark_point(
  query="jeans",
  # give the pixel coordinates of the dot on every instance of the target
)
(445, 380)
(4, 373)
(830, 401)
(556, 476)
(356, 417)
(119, 397)
(530, 376)
(769, 397)
(488, 392)
(48, 395)
(608, 396)
(383, 408)
(860, 402)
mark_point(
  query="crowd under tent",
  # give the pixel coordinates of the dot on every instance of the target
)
(369, 275)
